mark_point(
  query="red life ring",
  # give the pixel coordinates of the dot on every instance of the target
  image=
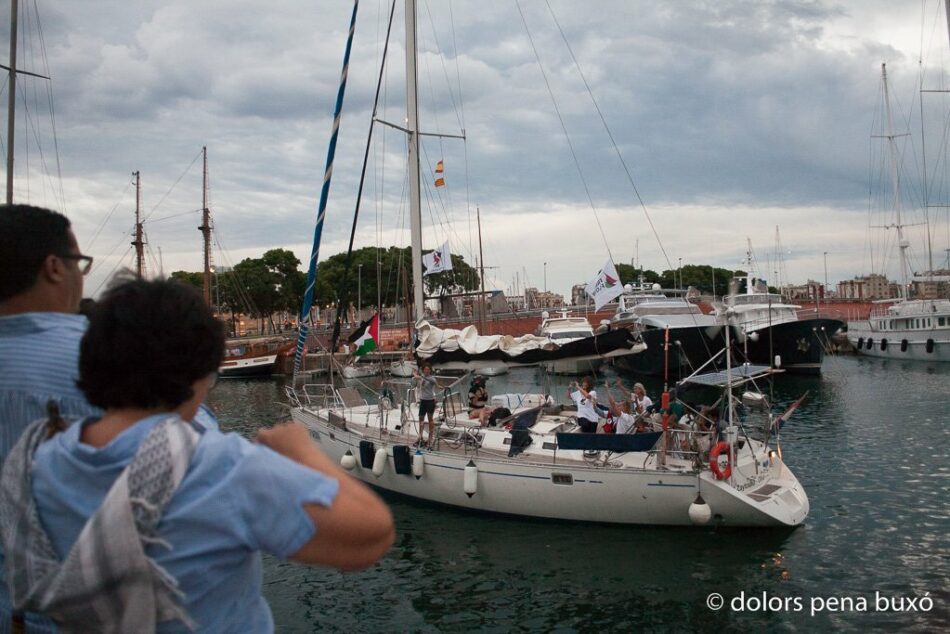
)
(721, 474)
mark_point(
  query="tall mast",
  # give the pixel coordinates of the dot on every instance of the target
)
(946, 10)
(138, 243)
(895, 179)
(205, 227)
(412, 126)
(11, 108)
(481, 267)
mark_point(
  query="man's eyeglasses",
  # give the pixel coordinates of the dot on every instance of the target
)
(85, 261)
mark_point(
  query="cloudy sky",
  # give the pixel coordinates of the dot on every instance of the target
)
(732, 118)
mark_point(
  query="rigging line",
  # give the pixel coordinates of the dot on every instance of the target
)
(431, 196)
(235, 280)
(111, 275)
(445, 72)
(183, 213)
(458, 78)
(359, 192)
(102, 224)
(613, 142)
(52, 110)
(174, 185)
(100, 260)
(447, 227)
(564, 129)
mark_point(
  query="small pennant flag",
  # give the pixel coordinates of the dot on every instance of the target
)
(438, 261)
(606, 286)
(440, 182)
(439, 167)
(781, 420)
(366, 336)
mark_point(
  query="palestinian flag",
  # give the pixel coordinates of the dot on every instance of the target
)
(366, 337)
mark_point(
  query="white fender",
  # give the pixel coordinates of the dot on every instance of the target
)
(379, 462)
(699, 511)
(470, 479)
(348, 461)
(418, 463)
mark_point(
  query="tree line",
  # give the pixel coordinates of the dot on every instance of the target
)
(273, 283)
(700, 276)
(260, 287)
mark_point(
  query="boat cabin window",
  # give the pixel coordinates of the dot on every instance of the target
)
(570, 334)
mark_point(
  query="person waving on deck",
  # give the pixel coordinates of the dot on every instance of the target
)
(585, 399)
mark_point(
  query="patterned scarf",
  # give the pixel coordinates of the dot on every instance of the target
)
(106, 583)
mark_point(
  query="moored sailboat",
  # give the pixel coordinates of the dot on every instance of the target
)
(535, 463)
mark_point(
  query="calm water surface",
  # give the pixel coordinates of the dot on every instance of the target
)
(871, 446)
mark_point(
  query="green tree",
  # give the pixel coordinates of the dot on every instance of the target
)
(187, 277)
(290, 280)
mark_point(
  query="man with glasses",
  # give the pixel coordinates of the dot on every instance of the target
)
(41, 285)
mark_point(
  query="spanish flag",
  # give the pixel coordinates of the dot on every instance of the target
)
(439, 167)
(440, 182)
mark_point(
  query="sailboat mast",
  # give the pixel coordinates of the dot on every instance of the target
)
(11, 108)
(412, 125)
(481, 267)
(138, 243)
(946, 10)
(895, 179)
(205, 227)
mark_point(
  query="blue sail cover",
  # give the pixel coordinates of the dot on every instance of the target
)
(304, 320)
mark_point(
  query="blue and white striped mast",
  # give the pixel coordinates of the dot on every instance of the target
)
(304, 319)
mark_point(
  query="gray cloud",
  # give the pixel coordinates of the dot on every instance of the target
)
(716, 106)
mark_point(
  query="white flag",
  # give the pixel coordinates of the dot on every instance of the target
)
(606, 286)
(438, 261)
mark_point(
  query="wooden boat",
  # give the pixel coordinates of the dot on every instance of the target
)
(253, 357)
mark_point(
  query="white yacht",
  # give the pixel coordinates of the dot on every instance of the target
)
(562, 330)
(679, 337)
(904, 328)
(917, 329)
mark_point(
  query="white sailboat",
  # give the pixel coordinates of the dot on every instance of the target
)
(905, 328)
(536, 464)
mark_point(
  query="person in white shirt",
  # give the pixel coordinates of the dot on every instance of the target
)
(625, 421)
(585, 399)
(640, 402)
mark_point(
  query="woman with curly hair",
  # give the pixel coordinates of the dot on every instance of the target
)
(140, 518)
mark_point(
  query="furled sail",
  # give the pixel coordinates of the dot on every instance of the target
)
(448, 346)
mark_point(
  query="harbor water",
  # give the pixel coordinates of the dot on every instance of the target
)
(871, 445)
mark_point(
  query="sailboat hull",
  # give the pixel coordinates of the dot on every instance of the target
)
(568, 490)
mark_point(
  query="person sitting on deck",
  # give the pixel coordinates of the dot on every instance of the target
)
(708, 423)
(139, 517)
(585, 399)
(478, 401)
